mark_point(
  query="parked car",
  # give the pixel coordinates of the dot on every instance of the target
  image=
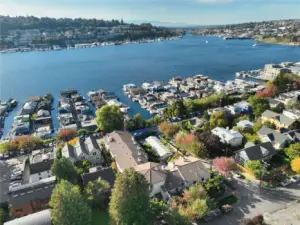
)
(15, 178)
(295, 178)
(16, 173)
(286, 182)
(226, 208)
(14, 185)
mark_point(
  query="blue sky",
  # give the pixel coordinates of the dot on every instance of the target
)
(201, 12)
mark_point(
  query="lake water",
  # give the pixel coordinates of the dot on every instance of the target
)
(38, 73)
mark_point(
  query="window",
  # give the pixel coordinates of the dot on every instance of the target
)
(94, 153)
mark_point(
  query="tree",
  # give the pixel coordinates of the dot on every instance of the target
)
(295, 165)
(270, 125)
(258, 105)
(212, 143)
(168, 129)
(66, 134)
(224, 165)
(83, 166)
(96, 192)
(68, 206)
(82, 132)
(29, 143)
(214, 185)
(130, 200)
(255, 167)
(194, 192)
(257, 125)
(109, 118)
(8, 146)
(3, 216)
(197, 149)
(63, 169)
(218, 119)
(269, 91)
(293, 151)
(293, 104)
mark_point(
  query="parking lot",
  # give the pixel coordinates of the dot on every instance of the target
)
(10, 169)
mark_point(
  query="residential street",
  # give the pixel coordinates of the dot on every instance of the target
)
(254, 200)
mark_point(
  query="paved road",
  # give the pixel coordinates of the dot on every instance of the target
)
(254, 200)
(4, 180)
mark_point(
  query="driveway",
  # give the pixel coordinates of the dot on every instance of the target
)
(254, 200)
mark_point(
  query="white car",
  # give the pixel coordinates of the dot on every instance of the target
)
(295, 178)
(286, 182)
(16, 173)
(15, 184)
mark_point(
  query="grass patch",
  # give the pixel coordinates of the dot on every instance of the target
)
(100, 218)
(230, 200)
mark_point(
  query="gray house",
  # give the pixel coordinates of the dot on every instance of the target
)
(278, 140)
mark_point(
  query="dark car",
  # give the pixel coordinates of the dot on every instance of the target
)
(15, 178)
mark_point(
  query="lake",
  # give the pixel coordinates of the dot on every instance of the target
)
(110, 67)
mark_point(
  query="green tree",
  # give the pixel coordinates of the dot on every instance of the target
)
(82, 132)
(8, 146)
(254, 166)
(293, 151)
(83, 166)
(168, 129)
(63, 169)
(218, 119)
(109, 118)
(258, 105)
(130, 201)
(68, 206)
(293, 104)
(270, 125)
(194, 192)
(197, 148)
(97, 192)
(3, 216)
(214, 185)
(257, 125)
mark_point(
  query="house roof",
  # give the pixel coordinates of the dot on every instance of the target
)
(294, 135)
(68, 151)
(153, 172)
(41, 160)
(272, 135)
(279, 117)
(273, 101)
(106, 174)
(21, 195)
(124, 149)
(174, 180)
(190, 168)
(244, 123)
(257, 152)
(226, 134)
(38, 218)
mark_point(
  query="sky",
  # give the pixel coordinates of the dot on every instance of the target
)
(192, 12)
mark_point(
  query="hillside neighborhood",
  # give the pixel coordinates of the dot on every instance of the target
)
(219, 158)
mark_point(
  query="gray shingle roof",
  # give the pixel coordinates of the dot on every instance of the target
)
(279, 117)
(273, 135)
(106, 174)
(152, 172)
(39, 218)
(257, 152)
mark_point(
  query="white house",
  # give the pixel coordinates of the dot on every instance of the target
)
(244, 124)
(158, 147)
(234, 138)
(86, 149)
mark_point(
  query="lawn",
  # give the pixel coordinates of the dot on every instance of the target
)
(230, 200)
(100, 218)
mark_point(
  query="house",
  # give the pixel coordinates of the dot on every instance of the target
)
(274, 103)
(294, 135)
(158, 147)
(182, 173)
(240, 108)
(278, 140)
(155, 174)
(125, 150)
(39, 218)
(293, 114)
(280, 120)
(260, 152)
(94, 173)
(40, 163)
(32, 197)
(84, 149)
(197, 122)
(234, 138)
(244, 124)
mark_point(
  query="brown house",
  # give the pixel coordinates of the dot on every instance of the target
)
(32, 197)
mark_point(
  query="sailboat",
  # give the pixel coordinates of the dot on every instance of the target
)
(254, 45)
(206, 42)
